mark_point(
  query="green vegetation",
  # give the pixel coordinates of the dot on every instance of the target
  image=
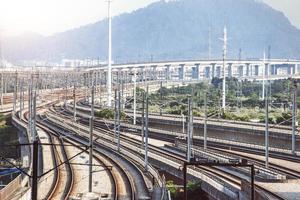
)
(8, 136)
(2, 118)
(193, 188)
(107, 113)
(244, 102)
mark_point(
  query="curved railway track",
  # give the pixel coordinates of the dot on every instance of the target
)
(124, 188)
(172, 116)
(63, 175)
(234, 179)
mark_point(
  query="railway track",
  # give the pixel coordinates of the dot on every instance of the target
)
(63, 175)
(62, 186)
(279, 155)
(171, 135)
(279, 168)
(65, 179)
(171, 117)
(124, 187)
(233, 179)
(290, 173)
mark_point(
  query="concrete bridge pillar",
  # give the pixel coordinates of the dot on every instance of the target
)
(142, 74)
(276, 70)
(168, 73)
(154, 73)
(213, 70)
(127, 76)
(130, 75)
(147, 74)
(218, 72)
(256, 70)
(290, 69)
(229, 70)
(207, 72)
(195, 72)
(240, 71)
(266, 69)
(161, 75)
(273, 70)
(181, 72)
(294, 69)
(247, 69)
(297, 69)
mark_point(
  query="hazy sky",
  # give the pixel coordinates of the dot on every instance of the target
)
(289, 7)
(49, 16)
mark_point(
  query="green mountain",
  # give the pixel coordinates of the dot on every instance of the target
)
(171, 30)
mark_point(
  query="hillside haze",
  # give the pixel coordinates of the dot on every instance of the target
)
(171, 30)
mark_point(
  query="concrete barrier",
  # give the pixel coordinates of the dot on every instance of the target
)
(11, 188)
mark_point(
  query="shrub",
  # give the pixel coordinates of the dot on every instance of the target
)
(108, 114)
(173, 104)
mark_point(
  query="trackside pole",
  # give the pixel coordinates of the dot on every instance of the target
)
(146, 130)
(91, 140)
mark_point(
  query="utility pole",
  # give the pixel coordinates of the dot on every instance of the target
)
(5, 87)
(264, 74)
(34, 170)
(99, 82)
(267, 127)
(143, 119)
(1, 48)
(15, 92)
(21, 97)
(118, 120)
(122, 93)
(34, 114)
(109, 97)
(190, 130)
(66, 92)
(134, 98)
(209, 42)
(160, 107)
(205, 122)
(91, 139)
(115, 116)
(224, 75)
(32, 107)
(74, 99)
(294, 119)
(117, 112)
(183, 122)
(146, 130)
(29, 107)
(1, 91)
(85, 78)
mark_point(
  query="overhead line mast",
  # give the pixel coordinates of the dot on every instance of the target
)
(109, 97)
(224, 66)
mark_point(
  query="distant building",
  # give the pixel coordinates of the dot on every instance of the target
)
(81, 63)
(5, 63)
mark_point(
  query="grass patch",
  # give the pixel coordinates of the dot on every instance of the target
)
(8, 136)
